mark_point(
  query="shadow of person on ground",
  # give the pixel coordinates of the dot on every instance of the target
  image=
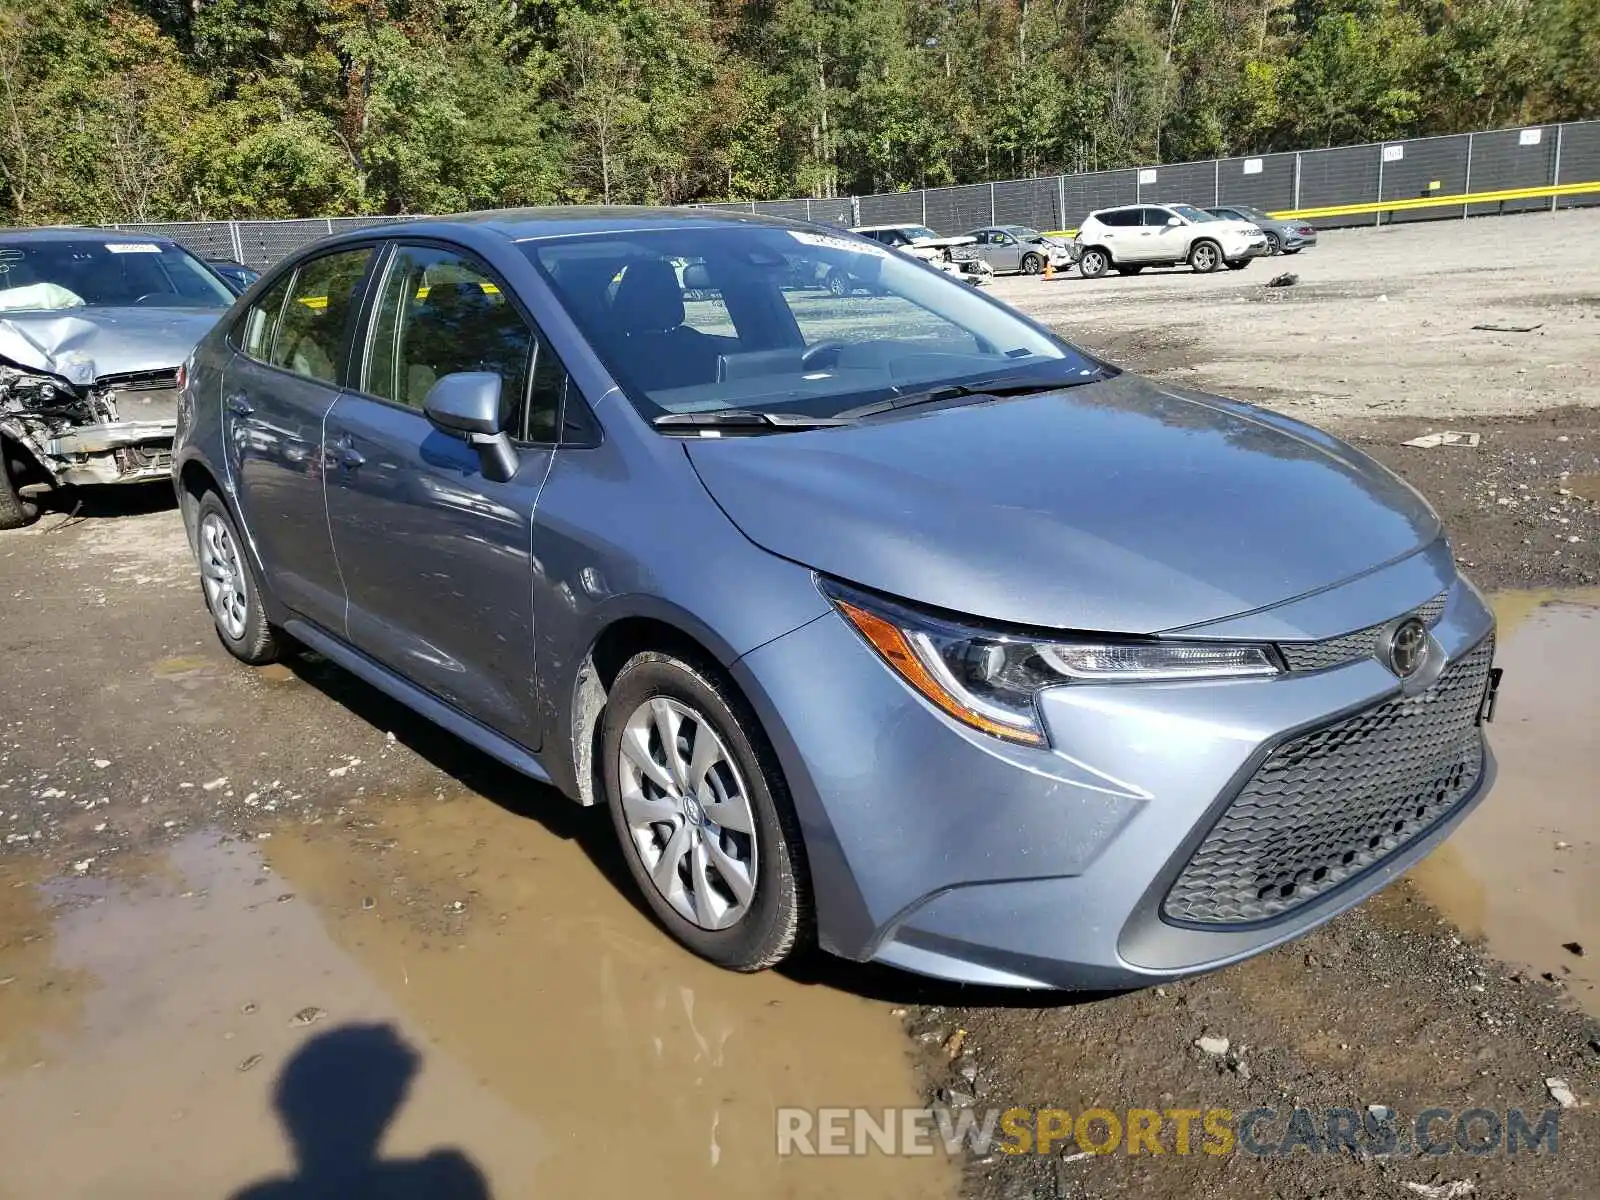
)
(336, 1097)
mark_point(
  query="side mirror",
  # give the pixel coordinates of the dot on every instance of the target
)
(467, 405)
(1174, 221)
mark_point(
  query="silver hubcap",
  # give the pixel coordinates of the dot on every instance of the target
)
(1205, 258)
(223, 576)
(688, 814)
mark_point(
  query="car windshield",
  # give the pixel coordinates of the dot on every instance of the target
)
(1022, 233)
(1192, 213)
(917, 232)
(786, 321)
(104, 272)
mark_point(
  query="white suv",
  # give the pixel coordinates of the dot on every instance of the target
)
(1136, 236)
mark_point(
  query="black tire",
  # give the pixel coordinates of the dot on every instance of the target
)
(256, 642)
(15, 510)
(1094, 263)
(1274, 243)
(1240, 264)
(838, 283)
(779, 916)
(1293, 249)
(1129, 270)
(1032, 264)
(1205, 256)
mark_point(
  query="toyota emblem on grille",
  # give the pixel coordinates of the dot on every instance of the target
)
(1408, 646)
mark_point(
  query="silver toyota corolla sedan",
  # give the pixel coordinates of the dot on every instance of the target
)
(885, 621)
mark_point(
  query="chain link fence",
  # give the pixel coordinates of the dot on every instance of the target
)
(1456, 175)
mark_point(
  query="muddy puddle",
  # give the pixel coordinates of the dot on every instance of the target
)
(448, 1000)
(1523, 871)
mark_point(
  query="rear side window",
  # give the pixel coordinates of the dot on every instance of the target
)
(1120, 218)
(322, 300)
(261, 322)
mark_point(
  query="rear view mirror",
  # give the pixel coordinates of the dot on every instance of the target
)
(468, 405)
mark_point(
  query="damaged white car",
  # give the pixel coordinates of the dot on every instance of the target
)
(95, 326)
(955, 255)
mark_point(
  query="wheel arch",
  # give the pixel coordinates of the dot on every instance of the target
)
(618, 640)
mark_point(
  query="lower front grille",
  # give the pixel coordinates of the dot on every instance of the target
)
(1328, 804)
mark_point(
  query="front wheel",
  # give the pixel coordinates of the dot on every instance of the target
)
(1205, 257)
(231, 587)
(1032, 264)
(1274, 243)
(15, 511)
(1093, 264)
(705, 821)
(838, 283)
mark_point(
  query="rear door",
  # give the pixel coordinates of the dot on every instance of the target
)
(289, 360)
(435, 556)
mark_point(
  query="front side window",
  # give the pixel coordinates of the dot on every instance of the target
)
(316, 319)
(788, 321)
(104, 272)
(440, 312)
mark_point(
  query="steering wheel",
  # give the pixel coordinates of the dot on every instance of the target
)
(808, 359)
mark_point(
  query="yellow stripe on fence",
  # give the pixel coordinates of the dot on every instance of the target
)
(1377, 206)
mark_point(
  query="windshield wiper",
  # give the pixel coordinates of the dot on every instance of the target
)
(953, 391)
(744, 418)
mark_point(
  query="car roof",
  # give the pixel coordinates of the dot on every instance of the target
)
(877, 228)
(78, 233)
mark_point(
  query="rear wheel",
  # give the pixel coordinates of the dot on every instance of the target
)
(15, 511)
(1239, 264)
(232, 588)
(705, 821)
(1094, 263)
(1032, 264)
(1205, 257)
(1129, 270)
(838, 283)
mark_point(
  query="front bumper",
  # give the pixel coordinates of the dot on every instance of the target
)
(939, 850)
(112, 452)
(1244, 250)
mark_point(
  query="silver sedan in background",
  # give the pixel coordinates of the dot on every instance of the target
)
(1283, 236)
(1018, 248)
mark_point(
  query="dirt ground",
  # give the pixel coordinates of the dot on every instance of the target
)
(268, 925)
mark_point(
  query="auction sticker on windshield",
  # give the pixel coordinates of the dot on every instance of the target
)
(133, 248)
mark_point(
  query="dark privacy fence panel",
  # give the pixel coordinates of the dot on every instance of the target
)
(1467, 163)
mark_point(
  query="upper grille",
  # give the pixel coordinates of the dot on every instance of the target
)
(1328, 804)
(1347, 647)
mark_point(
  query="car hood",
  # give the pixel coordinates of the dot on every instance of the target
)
(1112, 506)
(84, 344)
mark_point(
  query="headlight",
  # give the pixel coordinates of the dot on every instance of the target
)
(990, 679)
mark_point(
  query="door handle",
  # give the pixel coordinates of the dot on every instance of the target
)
(239, 405)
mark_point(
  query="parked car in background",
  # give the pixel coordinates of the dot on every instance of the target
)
(1132, 237)
(1009, 248)
(889, 622)
(236, 275)
(94, 328)
(1283, 237)
(955, 255)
